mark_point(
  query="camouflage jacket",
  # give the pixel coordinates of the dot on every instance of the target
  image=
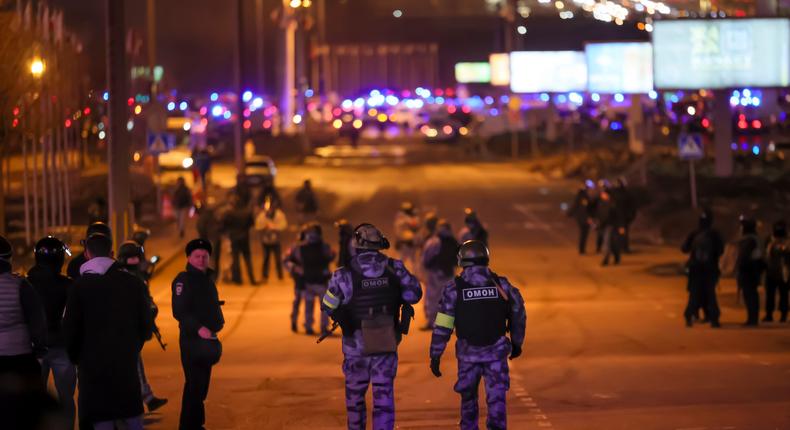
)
(445, 320)
(341, 289)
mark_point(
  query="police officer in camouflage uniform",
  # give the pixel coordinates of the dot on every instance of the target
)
(438, 260)
(481, 307)
(366, 299)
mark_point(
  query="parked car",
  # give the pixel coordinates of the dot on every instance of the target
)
(259, 169)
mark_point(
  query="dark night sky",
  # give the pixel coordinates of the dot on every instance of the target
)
(196, 37)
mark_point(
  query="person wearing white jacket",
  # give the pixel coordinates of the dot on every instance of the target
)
(270, 224)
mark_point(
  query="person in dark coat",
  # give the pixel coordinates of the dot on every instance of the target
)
(182, 202)
(749, 267)
(196, 306)
(73, 269)
(106, 322)
(306, 203)
(777, 274)
(53, 288)
(610, 221)
(237, 222)
(582, 212)
(209, 227)
(345, 244)
(626, 204)
(704, 247)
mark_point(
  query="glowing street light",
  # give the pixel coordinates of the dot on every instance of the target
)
(37, 67)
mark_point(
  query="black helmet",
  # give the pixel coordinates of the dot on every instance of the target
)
(129, 249)
(141, 235)
(50, 251)
(430, 220)
(442, 225)
(6, 251)
(368, 237)
(407, 207)
(780, 229)
(748, 224)
(311, 229)
(473, 253)
(706, 218)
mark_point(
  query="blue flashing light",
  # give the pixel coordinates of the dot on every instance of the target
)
(359, 102)
(562, 98)
(226, 115)
(745, 101)
(309, 92)
(674, 98)
(494, 112)
(736, 94)
(755, 101)
(544, 97)
(392, 100)
(347, 104)
(214, 97)
(756, 150)
(440, 100)
(489, 100)
(171, 106)
(616, 126)
(576, 98)
(105, 96)
(430, 99)
(183, 106)
(782, 116)
(734, 101)
(619, 98)
(418, 103)
(595, 97)
(246, 96)
(257, 103)
(504, 99)
(217, 110)
(375, 93)
(745, 146)
(747, 92)
(734, 146)
(653, 95)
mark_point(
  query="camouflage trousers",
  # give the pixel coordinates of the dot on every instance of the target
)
(380, 370)
(434, 286)
(497, 382)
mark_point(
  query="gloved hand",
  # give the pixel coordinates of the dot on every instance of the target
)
(515, 352)
(435, 367)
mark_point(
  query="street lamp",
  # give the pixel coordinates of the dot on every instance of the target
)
(37, 67)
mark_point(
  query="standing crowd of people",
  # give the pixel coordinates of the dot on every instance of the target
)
(758, 261)
(608, 209)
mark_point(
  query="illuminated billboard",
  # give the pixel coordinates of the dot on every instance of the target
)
(547, 71)
(473, 73)
(620, 67)
(500, 69)
(721, 53)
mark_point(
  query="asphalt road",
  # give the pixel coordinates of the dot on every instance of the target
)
(606, 348)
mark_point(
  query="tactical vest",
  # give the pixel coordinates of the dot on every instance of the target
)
(314, 263)
(374, 296)
(14, 334)
(447, 257)
(481, 313)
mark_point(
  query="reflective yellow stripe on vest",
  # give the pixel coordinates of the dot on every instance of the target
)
(444, 320)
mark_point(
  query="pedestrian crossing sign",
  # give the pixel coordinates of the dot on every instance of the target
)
(690, 146)
(160, 142)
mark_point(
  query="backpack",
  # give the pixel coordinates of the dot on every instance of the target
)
(702, 251)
